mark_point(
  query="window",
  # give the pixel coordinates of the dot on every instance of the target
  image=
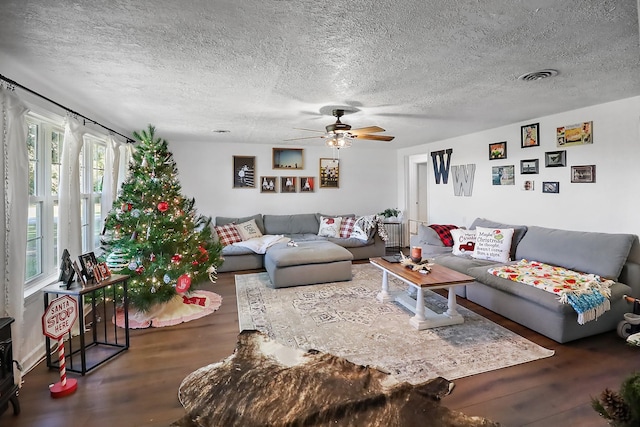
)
(44, 141)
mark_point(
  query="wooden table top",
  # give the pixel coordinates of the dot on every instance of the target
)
(438, 276)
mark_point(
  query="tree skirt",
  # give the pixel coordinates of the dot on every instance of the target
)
(182, 308)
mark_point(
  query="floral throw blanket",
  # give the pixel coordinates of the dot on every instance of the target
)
(588, 294)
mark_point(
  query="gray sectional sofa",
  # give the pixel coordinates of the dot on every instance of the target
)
(298, 227)
(603, 254)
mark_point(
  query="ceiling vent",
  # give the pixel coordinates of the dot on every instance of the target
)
(538, 75)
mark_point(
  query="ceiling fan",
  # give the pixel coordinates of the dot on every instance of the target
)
(340, 135)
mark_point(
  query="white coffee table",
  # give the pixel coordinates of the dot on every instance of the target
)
(440, 277)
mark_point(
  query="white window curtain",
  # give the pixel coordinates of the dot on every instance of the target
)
(126, 154)
(14, 166)
(69, 225)
(110, 179)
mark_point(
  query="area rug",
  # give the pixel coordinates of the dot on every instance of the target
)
(346, 320)
(180, 309)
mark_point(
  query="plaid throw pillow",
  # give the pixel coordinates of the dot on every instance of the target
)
(444, 232)
(228, 234)
(346, 227)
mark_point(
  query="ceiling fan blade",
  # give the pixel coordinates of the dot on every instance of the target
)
(369, 129)
(375, 137)
(306, 137)
(311, 130)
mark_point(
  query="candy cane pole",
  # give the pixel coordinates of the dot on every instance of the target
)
(63, 368)
(64, 387)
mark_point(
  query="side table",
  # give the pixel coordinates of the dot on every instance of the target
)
(96, 343)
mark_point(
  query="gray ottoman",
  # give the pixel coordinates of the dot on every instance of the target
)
(307, 264)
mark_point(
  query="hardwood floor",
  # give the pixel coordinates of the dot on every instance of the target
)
(139, 388)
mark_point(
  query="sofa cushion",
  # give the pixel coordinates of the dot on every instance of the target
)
(329, 226)
(346, 227)
(228, 234)
(464, 241)
(222, 220)
(428, 236)
(462, 263)
(518, 231)
(249, 230)
(493, 244)
(603, 254)
(291, 224)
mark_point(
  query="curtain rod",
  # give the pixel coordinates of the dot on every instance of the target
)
(14, 83)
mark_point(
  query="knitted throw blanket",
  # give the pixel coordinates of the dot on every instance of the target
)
(588, 294)
(444, 232)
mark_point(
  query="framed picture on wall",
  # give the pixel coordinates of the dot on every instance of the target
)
(244, 170)
(550, 187)
(586, 173)
(529, 135)
(329, 173)
(529, 166)
(498, 150)
(503, 175)
(288, 158)
(307, 184)
(578, 134)
(288, 184)
(555, 159)
(268, 184)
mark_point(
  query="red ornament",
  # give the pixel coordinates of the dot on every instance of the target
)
(176, 258)
(152, 257)
(184, 283)
(163, 206)
(205, 254)
(139, 270)
(127, 207)
(194, 263)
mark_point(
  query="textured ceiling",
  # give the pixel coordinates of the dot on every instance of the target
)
(422, 70)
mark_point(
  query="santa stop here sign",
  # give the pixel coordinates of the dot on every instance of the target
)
(59, 317)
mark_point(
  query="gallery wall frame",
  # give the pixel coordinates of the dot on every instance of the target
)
(530, 166)
(288, 158)
(555, 159)
(498, 150)
(529, 135)
(288, 184)
(503, 175)
(244, 171)
(268, 184)
(577, 134)
(329, 173)
(528, 185)
(307, 184)
(583, 173)
(550, 187)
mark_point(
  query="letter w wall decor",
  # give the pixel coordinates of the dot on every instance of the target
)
(440, 165)
(463, 179)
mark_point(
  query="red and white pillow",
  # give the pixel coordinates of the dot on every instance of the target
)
(329, 226)
(346, 227)
(228, 234)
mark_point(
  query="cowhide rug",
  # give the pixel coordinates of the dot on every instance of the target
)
(267, 384)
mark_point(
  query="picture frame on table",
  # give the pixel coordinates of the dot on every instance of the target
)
(550, 187)
(288, 158)
(244, 171)
(101, 272)
(584, 173)
(268, 184)
(529, 135)
(555, 159)
(81, 279)
(87, 262)
(498, 150)
(329, 173)
(530, 166)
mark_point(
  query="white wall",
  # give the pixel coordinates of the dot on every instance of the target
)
(205, 170)
(611, 204)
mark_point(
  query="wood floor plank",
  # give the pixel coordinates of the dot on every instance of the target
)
(139, 387)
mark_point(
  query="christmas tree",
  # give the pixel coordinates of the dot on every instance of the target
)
(153, 232)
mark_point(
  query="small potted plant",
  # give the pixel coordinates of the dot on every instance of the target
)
(390, 214)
